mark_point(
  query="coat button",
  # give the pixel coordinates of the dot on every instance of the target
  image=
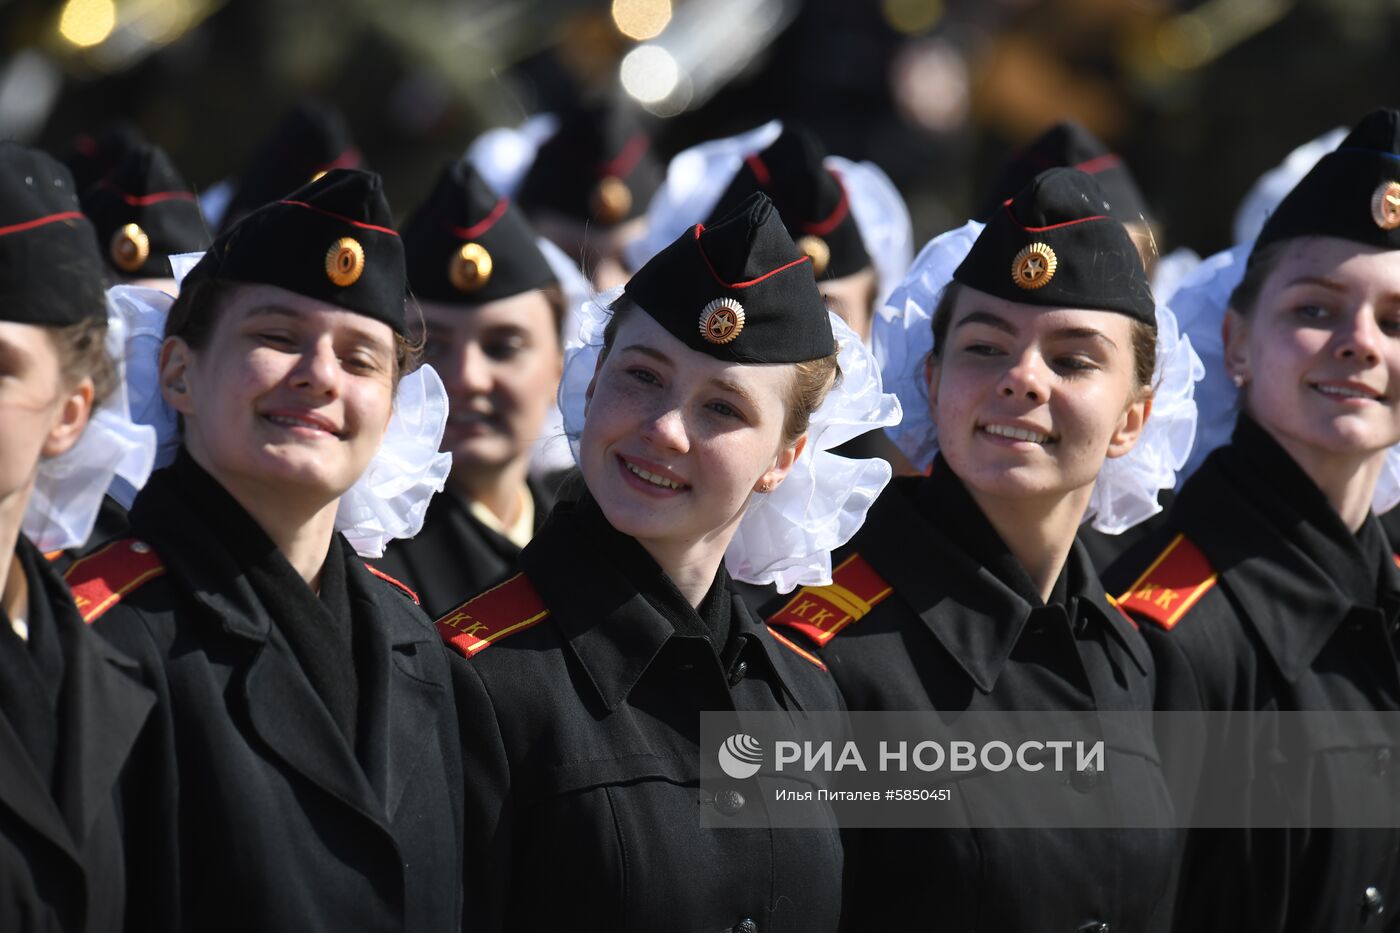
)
(1085, 781)
(1094, 926)
(1372, 903)
(1381, 765)
(729, 802)
(738, 673)
(746, 926)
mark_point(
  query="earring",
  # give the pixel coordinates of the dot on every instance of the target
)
(1239, 380)
(765, 486)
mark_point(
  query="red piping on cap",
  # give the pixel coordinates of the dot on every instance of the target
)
(700, 228)
(834, 219)
(759, 169)
(350, 158)
(1067, 223)
(622, 165)
(347, 220)
(1099, 163)
(482, 225)
(39, 222)
(145, 200)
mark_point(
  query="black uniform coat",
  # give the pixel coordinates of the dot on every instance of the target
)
(455, 556)
(963, 629)
(1302, 616)
(261, 811)
(585, 811)
(71, 707)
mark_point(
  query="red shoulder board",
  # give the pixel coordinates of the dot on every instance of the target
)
(392, 582)
(1397, 559)
(100, 580)
(819, 612)
(505, 609)
(1171, 584)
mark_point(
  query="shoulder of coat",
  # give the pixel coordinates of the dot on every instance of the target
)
(503, 610)
(1173, 583)
(107, 576)
(821, 612)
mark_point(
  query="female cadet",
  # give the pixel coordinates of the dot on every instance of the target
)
(305, 772)
(1273, 587)
(493, 312)
(589, 669)
(71, 706)
(966, 591)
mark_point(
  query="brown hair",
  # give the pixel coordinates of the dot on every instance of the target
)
(812, 381)
(1261, 265)
(196, 311)
(1144, 337)
(82, 353)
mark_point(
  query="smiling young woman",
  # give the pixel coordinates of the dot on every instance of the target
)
(966, 591)
(305, 771)
(1279, 587)
(586, 673)
(71, 706)
(492, 315)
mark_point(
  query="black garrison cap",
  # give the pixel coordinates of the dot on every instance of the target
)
(810, 198)
(50, 272)
(330, 240)
(1056, 244)
(740, 290)
(1352, 192)
(144, 212)
(467, 245)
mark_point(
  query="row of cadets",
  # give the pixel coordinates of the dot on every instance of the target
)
(495, 313)
(302, 768)
(1273, 586)
(702, 407)
(71, 706)
(1028, 354)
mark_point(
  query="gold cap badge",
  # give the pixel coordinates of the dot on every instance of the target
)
(1034, 266)
(130, 248)
(1385, 205)
(470, 267)
(611, 200)
(815, 247)
(722, 320)
(345, 261)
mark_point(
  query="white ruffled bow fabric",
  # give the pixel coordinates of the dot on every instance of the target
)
(1126, 491)
(1200, 303)
(504, 154)
(390, 499)
(114, 448)
(786, 536)
(698, 176)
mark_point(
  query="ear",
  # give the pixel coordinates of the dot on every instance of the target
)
(176, 358)
(1130, 427)
(70, 418)
(775, 475)
(931, 372)
(1234, 336)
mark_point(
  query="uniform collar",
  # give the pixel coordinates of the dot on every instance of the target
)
(1276, 542)
(975, 615)
(614, 606)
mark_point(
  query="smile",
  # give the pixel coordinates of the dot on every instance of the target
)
(1337, 391)
(1016, 434)
(310, 423)
(653, 478)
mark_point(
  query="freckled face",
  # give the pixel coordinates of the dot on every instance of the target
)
(1029, 401)
(674, 441)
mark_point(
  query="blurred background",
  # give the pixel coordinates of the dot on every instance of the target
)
(1199, 98)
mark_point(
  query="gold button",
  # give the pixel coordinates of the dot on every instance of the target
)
(611, 200)
(1385, 205)
(470, 267)
(345, 261)
(815, 247)
(130, 248)
(1034, 266)
(722, 320)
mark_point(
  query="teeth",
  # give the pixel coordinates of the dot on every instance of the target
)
(652, 477)
(1017, 434)
(1343, 392)
(295, 423)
